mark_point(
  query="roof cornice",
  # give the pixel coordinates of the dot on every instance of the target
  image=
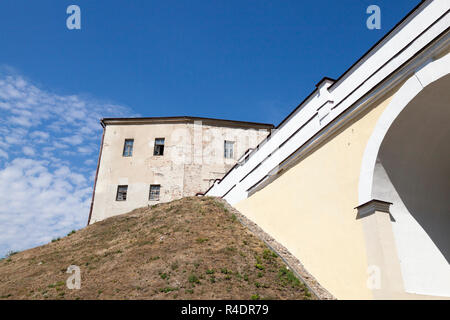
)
(184, 119)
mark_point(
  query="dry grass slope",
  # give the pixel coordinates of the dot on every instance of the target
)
(191, 248)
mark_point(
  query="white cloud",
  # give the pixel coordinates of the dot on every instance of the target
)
(5, 106)
(48, 154)
(40, 135)
(73, 140)
(38, 204)
(28, 151)
(89, 162)
(85, 149)
(59, 145)
(3, 154)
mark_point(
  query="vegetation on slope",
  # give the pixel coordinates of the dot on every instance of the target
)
(191, 248)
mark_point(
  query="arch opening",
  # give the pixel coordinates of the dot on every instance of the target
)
(412, 171)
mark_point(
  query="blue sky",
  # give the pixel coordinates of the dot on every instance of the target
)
(241, 60)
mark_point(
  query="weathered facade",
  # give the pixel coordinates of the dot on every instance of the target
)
(144, 161)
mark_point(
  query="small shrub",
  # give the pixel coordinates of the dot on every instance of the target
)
(193, 279)
(57, 284)
(226, 271)
(255, 297)
(307, 293)
(269, 254)
(259, 266)
(287, 277)
(220, 205)
(231, 249)
(167, 289)
(164, 276)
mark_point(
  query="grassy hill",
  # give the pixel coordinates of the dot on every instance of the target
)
(192, 248)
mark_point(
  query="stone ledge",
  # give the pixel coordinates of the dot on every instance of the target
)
(371, 206)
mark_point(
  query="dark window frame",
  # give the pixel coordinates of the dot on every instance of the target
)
(118, 191)
(158, 193)
(126, 152)
(158, 148)
(231, 156)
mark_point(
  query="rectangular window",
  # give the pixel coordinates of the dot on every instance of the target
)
(128, 148)
(121, 193)
(154, 192)
(228, 149)
(159, 147)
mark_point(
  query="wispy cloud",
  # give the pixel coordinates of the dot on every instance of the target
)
(48, 150)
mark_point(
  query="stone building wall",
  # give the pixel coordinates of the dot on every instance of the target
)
(193, 158)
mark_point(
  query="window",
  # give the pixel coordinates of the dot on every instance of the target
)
(228, 149)
(121, 193)
(128, 148)
(154, 192)
(159, 147)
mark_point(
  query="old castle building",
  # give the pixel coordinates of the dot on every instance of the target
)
(354, 182)
(144, 161)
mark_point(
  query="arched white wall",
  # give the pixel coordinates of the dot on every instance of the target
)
(424, 268)
(429, 73)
